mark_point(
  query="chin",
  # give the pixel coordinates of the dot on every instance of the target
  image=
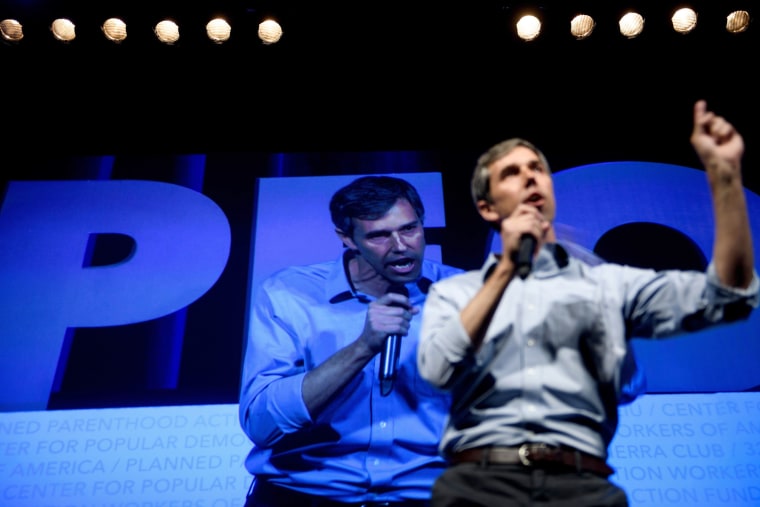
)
(410, 277)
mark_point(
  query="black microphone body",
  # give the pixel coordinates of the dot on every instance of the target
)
(524, 257)
(390, 353)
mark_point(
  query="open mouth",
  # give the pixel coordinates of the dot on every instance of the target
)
(402, 265)
(536, 200)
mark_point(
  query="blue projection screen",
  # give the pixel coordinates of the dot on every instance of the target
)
(696, 441)
(595, 199)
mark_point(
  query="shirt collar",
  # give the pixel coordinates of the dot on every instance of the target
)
(551, 258)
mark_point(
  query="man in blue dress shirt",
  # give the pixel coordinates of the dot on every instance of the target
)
(326, 431)
(536, 359)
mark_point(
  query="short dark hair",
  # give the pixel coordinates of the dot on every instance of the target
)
(369, 198)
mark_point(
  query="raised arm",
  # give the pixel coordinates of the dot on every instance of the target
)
(720, 147)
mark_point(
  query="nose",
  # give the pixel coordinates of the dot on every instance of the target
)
(397, 242)
(529, 175)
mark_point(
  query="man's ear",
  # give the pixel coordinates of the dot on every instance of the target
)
(487, 211)
(348, 242)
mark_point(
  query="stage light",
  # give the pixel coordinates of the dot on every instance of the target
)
(581, 26)
(218, 30)
(167, 31)
(684, 20)
(737, 22)
(11, 30)
(270, 31)
(631, 24)
(63, 29)
(528, 27)
(115, 30)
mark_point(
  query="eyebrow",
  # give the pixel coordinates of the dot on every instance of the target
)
(386, 232)
(532, 163)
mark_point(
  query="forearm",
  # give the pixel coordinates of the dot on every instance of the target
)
(271, 407)
(322, 383)
(733, 253)
(476, 316)
(720, 147)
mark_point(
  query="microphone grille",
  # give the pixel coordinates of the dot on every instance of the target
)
(398, 288)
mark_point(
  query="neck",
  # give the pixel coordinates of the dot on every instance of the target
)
(550, 236)
(365, 279)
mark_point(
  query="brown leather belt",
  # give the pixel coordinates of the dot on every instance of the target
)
(534, 455)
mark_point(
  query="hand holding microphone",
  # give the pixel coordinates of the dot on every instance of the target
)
(522, 257)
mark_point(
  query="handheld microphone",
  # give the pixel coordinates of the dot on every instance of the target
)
(390, 353)
(524, 256)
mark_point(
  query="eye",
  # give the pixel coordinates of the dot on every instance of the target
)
(508, 171)
(378, 236)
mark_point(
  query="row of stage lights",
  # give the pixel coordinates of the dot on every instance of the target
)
(218, 30)
(630, 24)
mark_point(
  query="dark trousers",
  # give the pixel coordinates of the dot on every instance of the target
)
(478, 485)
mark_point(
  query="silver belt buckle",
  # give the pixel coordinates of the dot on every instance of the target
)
(523, 453)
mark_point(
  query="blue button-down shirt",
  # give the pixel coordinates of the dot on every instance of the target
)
(555, 356)
(363, 446)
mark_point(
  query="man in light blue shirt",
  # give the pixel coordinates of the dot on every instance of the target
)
(536, 359)
(326, 431)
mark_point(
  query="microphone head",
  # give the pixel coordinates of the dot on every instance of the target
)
(398, 288)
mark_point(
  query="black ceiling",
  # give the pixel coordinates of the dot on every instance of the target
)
(372, 75)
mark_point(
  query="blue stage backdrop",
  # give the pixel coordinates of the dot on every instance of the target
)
(124, 303)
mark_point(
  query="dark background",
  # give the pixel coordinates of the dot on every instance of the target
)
(392, 75)
(348, 81)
